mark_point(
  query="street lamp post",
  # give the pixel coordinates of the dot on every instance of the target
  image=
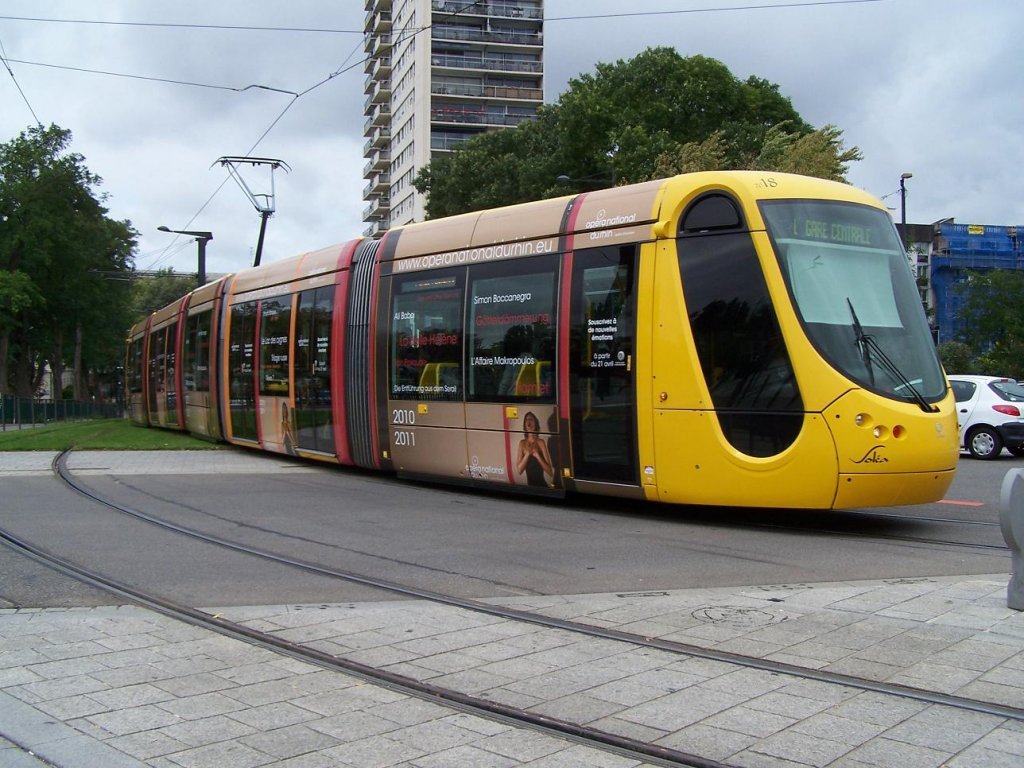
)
(201, 238)
(903, 201)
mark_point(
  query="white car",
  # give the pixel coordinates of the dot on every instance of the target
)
(988, 412)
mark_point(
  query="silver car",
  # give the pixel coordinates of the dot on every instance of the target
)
(989, 413)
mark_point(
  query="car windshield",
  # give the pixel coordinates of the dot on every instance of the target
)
(855, 294)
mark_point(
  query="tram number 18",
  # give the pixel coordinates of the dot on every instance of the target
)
(406, 438)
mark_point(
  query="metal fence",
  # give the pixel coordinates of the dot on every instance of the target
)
(19, 412)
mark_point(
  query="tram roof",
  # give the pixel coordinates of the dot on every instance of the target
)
(628, 206)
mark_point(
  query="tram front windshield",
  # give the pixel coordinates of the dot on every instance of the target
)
(856, 296)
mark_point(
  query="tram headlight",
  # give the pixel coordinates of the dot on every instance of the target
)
(879, 431)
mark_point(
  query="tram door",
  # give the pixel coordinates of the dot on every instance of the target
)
(171, 374)
(156, 375)
(241, 381)
(601, 364)
(313, 415)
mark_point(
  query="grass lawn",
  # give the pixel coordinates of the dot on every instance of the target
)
(98, 434)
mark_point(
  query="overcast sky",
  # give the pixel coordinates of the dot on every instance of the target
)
(931, 87)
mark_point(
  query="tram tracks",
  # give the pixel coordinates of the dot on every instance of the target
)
(641, 750)
(593, 737)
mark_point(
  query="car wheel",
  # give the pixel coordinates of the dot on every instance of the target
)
(1016, 450)
(984, 443)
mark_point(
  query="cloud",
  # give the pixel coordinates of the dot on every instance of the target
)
(922, 86)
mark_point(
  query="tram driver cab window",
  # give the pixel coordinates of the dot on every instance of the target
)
(745, 362)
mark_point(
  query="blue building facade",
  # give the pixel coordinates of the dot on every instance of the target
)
(961, 248)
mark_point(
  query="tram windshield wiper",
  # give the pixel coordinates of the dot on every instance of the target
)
(862, 342)
(868, 346)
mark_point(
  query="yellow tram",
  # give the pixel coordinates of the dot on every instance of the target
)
(721, 338)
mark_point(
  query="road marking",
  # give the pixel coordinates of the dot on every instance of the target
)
(962, 503)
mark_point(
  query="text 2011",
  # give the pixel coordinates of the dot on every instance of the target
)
(405, 438)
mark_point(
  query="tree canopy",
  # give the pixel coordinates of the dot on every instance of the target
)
(655, 115)
(64, 266)
(157, 291)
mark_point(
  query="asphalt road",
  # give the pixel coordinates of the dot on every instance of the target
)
(462, 542)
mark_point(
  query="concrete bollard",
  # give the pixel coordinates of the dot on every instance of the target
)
(1011, 520)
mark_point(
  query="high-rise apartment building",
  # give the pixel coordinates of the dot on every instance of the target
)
(437, 73)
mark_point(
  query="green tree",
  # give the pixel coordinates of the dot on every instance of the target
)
(58, 249)
(819, 153)
(993, 315)
(651, 116)
(956, 357)
(463, 187)
(157, 291)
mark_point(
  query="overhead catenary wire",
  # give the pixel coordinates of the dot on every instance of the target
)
(266, 132)
(253, 28)
(7, 66)
(328, 30)
(340, 70)
(180, 25)
(723, 9)
(147, 77)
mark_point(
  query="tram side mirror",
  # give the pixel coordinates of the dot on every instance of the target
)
(1011, 521)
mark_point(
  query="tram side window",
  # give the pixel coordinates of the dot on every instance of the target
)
(188, 351)
(275, 327)
(426, 337)
(197, 353)
(512, 331)
(203, 328)
(136, 365)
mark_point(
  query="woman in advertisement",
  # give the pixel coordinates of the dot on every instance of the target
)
(533, 458)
